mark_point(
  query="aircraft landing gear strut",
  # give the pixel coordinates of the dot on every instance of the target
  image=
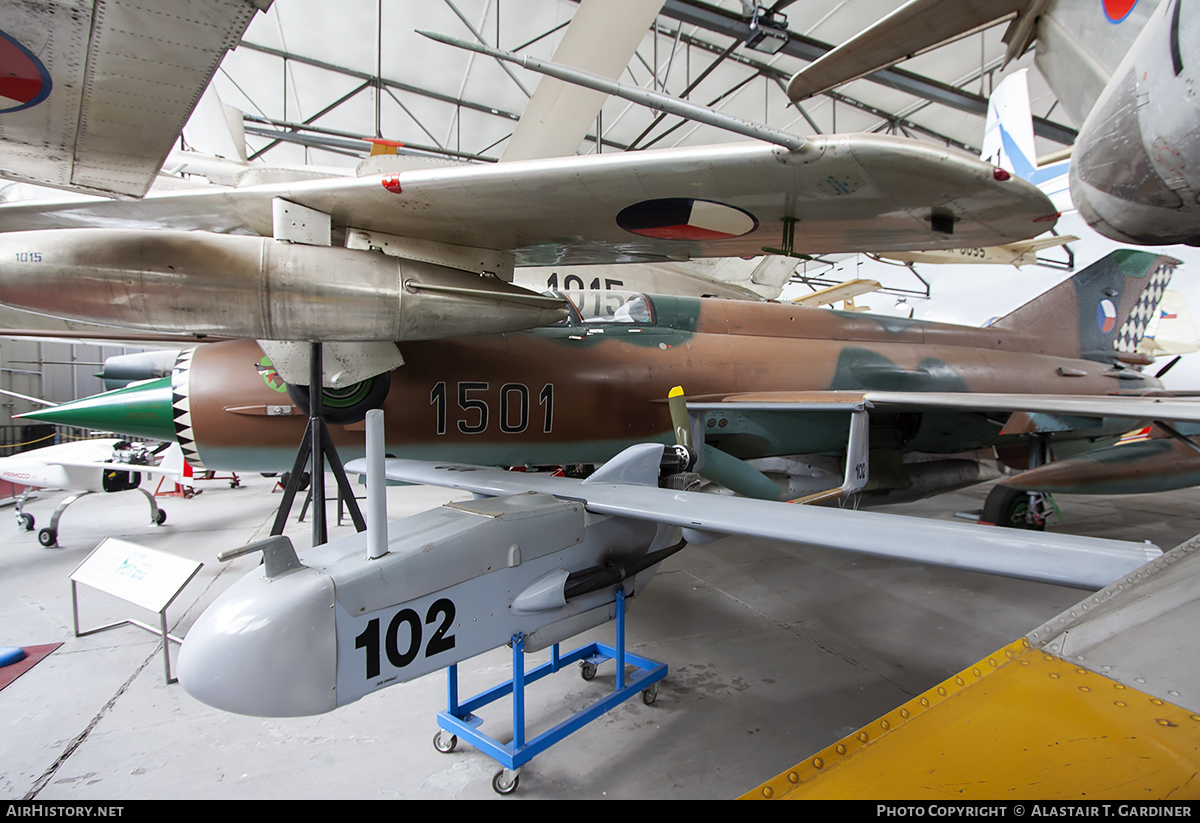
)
(24, 519)
(48, 536)
(1018, 508)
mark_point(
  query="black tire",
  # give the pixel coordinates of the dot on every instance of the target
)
(348, 405)
(1009, 507)
(48, 537)
(501, 786)
(305, 479)
(160, 518)
(26, 521)
(446, 744)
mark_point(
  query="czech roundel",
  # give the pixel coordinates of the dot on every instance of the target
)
(1118, 10)
(1106, 315)
(24, 81)
(682, 218)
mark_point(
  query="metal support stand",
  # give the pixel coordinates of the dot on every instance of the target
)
(341, 506)
(319, 445)
(139, 575)
(177, 490)
(459, 718)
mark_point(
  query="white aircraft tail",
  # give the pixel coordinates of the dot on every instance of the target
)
(1008, 141)
(171, 465)
(216, 129)
(1170, 331)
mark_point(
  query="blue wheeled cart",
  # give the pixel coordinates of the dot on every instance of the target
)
(460, 719)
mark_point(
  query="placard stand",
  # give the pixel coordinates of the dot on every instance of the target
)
(144, 577)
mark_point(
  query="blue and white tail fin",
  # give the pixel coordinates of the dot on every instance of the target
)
(1008, 141)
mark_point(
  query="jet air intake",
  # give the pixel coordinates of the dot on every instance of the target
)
(214, 284)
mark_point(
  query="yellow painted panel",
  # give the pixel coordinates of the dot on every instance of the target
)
(1021, 724)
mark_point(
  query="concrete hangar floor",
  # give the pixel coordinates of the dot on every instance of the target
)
(774, 654)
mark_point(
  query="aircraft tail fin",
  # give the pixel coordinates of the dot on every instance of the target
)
(1100, 312)
(1171, 332)
(216, 129)
(171, 464)
(1008, 141)
(1008, 133)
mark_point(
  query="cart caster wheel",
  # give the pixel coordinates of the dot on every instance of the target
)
(25, 521)
(445, 745)
(503, 785)
(160, 518)
(587, 670)
(48, 537)
(650, 695)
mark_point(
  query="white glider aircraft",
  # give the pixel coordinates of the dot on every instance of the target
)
(85, 467)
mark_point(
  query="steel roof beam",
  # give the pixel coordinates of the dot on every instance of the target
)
(773, 73)
(808, 49)
(395, 84)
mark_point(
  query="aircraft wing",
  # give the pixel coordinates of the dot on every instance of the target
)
(94, 94)
(842, 291)
(1016, 254)
(105, 466)
(1143, 407)
(1040, 243)
(95, 454)
(171, 464)
(1105, 693)
(915, 27)
(844, 193)
(627, 487)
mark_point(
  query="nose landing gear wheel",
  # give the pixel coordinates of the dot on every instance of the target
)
(48, 537)
(25, 521)
(1016, 508)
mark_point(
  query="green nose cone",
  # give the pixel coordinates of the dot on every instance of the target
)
(141, 410)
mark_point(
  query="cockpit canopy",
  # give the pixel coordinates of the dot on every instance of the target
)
(590, 307)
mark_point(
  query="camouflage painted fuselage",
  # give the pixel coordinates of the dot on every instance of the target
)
(581, 391)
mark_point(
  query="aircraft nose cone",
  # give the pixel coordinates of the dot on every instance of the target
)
(141, 410)
(266, 648)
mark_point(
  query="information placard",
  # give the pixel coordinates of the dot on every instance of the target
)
(139, 575)
(145, 577)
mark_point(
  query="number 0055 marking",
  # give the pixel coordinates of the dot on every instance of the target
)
(404, 629)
